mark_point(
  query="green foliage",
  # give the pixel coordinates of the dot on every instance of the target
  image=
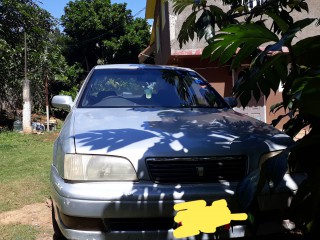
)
(246, 37)
(95, 32)
(297, 69)
(202, 25)
(180, 5)
(72, 92)
(18, 232)
(44, 53)
(98, 32)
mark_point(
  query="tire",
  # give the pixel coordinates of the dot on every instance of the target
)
(57, 234)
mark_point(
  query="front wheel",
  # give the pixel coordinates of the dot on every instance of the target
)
(57, 234)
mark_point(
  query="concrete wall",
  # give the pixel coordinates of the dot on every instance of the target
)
(312, 29)
(169, 52)
(176, 22)
(161, 24)
(314, 12)
(219, 77)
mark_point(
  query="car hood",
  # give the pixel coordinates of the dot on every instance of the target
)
(153, 132)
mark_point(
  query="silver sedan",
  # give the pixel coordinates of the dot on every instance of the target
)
(140, 138)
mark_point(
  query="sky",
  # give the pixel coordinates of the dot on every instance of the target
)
(56, 7)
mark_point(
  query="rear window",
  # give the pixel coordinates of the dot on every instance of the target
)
(148, 88)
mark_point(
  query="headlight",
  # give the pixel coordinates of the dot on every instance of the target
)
(98, 168)
(265, 156)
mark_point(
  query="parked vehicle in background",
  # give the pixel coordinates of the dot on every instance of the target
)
(139, 139)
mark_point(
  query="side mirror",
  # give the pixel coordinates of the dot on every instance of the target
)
(61, 101)
(232, 101)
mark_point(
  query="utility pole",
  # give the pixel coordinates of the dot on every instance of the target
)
(26, 112)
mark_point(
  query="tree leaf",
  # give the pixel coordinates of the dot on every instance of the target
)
(244, 97)
(275, 168)
(300, 199)
(247, 37)
(246, 190)
(304, 6)
(296, 27)
(187, 29)
(243, 54)
(279, 21)
(264, 87)
(180, 5)
(205, 25)
(310, 97)
(256, 94)
(306, 51)
(220, 16)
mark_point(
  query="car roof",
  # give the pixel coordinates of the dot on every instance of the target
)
(140, 66)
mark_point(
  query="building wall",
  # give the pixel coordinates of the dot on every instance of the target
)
(220, 77)
(161, 24)
(176, 22)
(312, 29)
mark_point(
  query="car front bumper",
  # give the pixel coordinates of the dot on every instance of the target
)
(141, 201)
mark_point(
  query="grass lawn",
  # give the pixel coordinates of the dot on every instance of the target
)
(24, 176)
(18, 232)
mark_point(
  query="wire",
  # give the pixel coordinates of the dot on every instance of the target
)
(139, 12)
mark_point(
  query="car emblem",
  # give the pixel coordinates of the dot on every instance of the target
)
(200, 171)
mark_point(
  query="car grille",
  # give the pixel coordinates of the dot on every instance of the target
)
(139, 224)
(198, 169)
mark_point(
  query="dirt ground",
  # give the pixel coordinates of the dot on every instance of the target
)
(38, 214)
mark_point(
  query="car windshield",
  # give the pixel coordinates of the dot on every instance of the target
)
(148, 88)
